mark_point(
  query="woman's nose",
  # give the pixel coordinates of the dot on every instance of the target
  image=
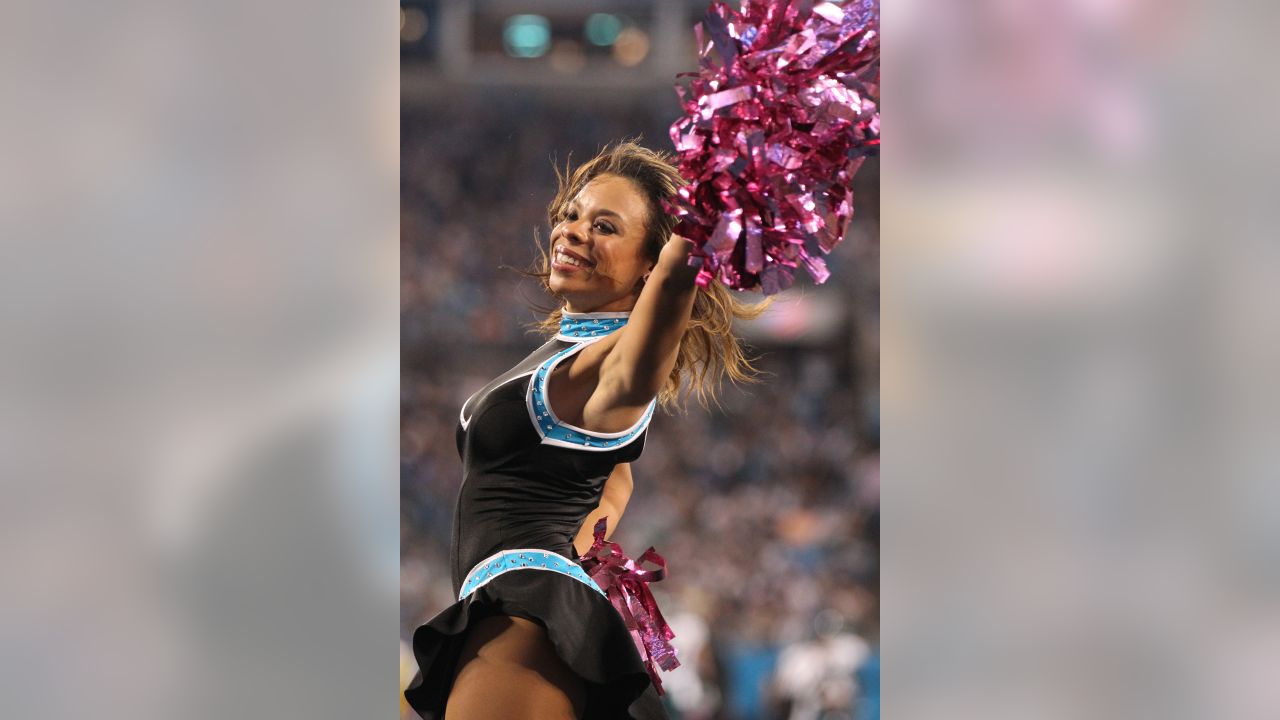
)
(573, 231)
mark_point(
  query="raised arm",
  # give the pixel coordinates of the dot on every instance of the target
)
(638, 365)
(613, 502)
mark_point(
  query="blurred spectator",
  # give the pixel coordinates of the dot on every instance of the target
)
(815, 679)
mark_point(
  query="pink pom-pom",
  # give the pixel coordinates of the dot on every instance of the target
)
(626, 583)
(778, 119)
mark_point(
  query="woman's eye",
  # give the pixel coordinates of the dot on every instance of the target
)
(572, 216)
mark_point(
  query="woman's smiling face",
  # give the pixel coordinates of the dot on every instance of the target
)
(597, 248)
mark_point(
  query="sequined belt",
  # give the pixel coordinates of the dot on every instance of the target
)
(526, 559)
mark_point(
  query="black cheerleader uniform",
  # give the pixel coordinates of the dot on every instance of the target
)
(529, 482)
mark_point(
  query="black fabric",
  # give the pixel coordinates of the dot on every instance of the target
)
(520, 493)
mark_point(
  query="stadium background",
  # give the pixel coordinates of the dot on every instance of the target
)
(765, 508)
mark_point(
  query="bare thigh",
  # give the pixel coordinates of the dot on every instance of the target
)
(509, 670)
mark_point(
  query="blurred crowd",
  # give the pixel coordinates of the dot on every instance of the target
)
(765, 507)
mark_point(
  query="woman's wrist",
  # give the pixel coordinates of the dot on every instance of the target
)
(675, 258)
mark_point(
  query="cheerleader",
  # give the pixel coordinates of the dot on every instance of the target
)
(546, 449)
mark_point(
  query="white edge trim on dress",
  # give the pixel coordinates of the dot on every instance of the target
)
(462, 418)
(533, 415)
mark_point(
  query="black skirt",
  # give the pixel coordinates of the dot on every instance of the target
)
(584, 628)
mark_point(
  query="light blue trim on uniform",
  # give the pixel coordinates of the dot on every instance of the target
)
(527, 559)
(579, 326)
(554, 431)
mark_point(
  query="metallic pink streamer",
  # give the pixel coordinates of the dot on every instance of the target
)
(778, 118)
(626, 584)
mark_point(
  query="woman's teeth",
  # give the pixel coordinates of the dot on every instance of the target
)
(569, 259)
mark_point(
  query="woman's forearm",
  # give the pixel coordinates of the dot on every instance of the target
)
(613, 502)
(586, 533)
(646, 352)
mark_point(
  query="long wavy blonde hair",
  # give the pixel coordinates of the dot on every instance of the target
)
(709, 351)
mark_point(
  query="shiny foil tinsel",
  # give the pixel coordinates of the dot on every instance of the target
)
(626, 583)
(781, 113)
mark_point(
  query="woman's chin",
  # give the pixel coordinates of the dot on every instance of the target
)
(559, 286)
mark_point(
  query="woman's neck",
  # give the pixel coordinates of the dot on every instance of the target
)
(619, 305)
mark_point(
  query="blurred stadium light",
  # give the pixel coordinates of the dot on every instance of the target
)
(526, 36)
(413, 25)
(419, 31)
(603, 46)
(809, 317)
(631, 47)
(602, 28)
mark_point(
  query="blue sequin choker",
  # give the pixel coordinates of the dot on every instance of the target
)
(589, 325)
